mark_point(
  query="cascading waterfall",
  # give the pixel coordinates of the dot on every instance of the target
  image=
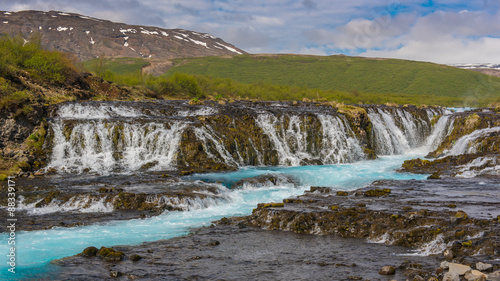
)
(105, 147)
(295, 144)
(213, 145)
(102, 111)
(398, 132)
(289, 141)
(441, 129)
(108, 139)
(340, 144)
(467, 144)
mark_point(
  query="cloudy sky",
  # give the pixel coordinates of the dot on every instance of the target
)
(443, 31)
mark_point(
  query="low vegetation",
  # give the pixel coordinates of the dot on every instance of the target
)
(295, 77)
(396, 79)
(48, 66)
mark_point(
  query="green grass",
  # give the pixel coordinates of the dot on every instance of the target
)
(397, 79)
(119, 66)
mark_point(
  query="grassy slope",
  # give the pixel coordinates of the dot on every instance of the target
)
(120, 66)
(382, 76)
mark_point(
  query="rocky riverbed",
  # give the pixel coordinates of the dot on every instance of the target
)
(432, 227)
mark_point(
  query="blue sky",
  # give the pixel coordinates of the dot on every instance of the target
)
(443, 31)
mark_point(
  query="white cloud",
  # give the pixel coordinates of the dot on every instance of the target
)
(273, 21)
(444, 37)
(447, 50)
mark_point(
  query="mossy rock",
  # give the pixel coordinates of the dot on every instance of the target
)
(434, 176)
(110, 254)
(90, 252)
(135, 257)
(224, 221)
(24, 166)
(467, 243)
(410, 165)
(377, 192)
(149, 165)
(103, 252)
(342, 193)
(461, 215)
(370, 154)
(114, 256)
(186, 173)
(270, 205)
(320, 189)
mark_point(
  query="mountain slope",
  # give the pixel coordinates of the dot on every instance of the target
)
(90, 37)
(347, 74)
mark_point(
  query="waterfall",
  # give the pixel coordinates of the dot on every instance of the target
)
(106, 147)
(108, 138)
(468, 143)
(441, 129)
(111, 137)
(213, 145)
(339, 141)
(289, 141)
(396, 131)
(295, 144)
(101, 111)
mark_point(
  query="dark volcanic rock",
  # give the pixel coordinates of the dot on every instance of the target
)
(89, 38)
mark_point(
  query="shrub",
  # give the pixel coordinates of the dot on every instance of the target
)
(14, 100)
(186, 84)
(49, 66)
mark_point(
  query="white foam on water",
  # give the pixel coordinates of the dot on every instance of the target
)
(434, 247)
(78, 203)
(82, 111)
(487, 165)
(39, 247)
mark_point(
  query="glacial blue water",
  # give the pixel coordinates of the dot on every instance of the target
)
(36, 249)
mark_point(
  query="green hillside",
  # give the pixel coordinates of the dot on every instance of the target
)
(351, 74)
